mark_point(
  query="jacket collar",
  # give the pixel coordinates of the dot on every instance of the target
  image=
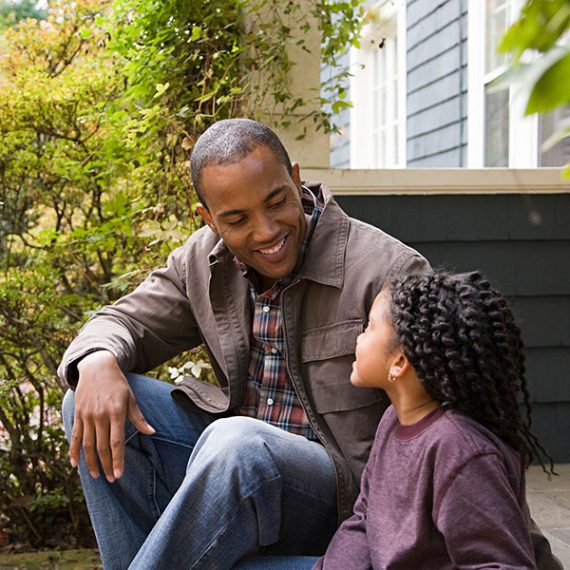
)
(324, 260)
(219, 251)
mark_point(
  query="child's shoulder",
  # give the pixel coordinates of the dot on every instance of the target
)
(445, 436)
(465, 437)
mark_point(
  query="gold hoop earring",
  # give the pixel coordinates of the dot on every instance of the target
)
(391, 378)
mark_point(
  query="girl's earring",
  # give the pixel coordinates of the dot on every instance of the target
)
(391, 378)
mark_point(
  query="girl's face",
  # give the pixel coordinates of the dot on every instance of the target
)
(376, 347)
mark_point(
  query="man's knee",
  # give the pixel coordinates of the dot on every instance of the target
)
(237, 432)
(236, 442)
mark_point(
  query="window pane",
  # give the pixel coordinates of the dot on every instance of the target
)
(379, 146)
(381, 104)
(497, 128)
(380, 66)
(559, 155)
(385, 105)
(498, 17)
(395, 144)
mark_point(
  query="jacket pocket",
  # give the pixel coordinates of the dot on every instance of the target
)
(342, 397)
(350, 414)
(330, 341)
(328, 354)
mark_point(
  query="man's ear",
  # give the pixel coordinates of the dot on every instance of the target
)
(206, 216)
(296, 176)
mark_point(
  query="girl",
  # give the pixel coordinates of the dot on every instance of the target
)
(444, 486)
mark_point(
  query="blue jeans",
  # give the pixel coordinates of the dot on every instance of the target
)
(204, 494)
(277, 563)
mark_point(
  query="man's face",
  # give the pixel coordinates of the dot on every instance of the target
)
(255, 206)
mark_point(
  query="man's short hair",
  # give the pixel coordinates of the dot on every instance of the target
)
(229, 141)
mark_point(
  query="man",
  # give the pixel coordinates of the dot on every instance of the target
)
(277, 287)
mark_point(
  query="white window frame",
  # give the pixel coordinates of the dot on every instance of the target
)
(390, 23)
(523, 131)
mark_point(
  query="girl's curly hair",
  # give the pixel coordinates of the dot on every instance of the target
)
(460, 336)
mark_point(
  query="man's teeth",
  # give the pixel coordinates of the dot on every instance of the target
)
(274, 249)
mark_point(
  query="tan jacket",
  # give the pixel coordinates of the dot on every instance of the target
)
(201, 297)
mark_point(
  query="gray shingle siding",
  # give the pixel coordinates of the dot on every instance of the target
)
(442, 141)
(445, 159)
(436, 62)
(433, 70)
(423, 9)
(437, 116)
(435, 92)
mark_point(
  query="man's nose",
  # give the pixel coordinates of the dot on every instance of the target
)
(265, 229)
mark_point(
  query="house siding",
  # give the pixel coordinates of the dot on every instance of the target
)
(522, 244)
(436, 83)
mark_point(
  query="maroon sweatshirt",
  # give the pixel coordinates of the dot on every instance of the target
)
(442, 493)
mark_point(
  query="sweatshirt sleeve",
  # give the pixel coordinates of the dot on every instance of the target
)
(483, 521)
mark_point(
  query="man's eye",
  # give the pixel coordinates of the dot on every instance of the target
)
(236, 222)
(278, 204)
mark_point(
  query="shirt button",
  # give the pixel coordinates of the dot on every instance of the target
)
(265, 308)
(273, 350)
(270, 401)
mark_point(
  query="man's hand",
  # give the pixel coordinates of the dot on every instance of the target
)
(103, 402)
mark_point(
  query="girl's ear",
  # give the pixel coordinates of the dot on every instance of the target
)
(400, 365)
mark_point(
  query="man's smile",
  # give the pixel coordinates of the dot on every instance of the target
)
(274, 249)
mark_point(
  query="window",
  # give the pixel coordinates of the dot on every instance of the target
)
(499, 133)
(378, 90)
(385, 119)
(496, 135)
